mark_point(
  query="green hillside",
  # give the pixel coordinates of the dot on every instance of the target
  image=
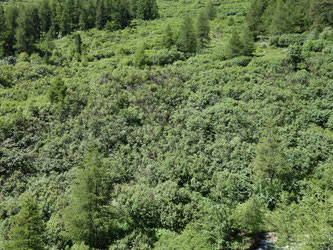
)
(174, 124)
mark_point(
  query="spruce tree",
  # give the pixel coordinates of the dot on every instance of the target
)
(202, 30)
(28, 227)
(88, 218)
(187, 41)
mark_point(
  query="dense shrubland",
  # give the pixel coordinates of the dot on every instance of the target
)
(200, 129)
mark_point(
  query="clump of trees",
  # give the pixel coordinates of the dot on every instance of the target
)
(23, 25)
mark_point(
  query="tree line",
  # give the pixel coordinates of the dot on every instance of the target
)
(276, 17)
(22, 25)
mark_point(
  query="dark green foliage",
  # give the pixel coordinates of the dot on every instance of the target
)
(27, 230)
(187, 41)
(101, 16)
(147, 9)
(202, 30)
(78, 43)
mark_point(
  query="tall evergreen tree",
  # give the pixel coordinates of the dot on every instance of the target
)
(44, 13)
(255, 17)
(28, 227)
(66, 19)
(187, 41)
(24, 32)
(280, 17)
(147, 9)
(11, 14)
(101, 16)
(3, 32)
(202, 30)
(88, 218)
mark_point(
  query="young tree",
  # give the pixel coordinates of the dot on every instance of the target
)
(88, 218)
(78, 43)
(202, 30)
(168, 39)
(28, 227)
(210, 10)
(235, 46)
(269, 163)
(187, 41)
(247, 40)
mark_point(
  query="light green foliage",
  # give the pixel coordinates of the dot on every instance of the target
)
(141, 58)
(185, 159)
(27, 230)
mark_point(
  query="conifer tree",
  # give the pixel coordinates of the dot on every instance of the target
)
(187, 41)
(28, 227)
(101, 17)
(247, 40)
(78, 43)
(44, 13)
(168, 37)
(210, 10)
(269, 161)
(66, 19)
(235, 46)
(24, 32)
(88, 218)
(3, 31)
(11, 24)
(280, 24)
(147, 9)
(255, 17)
(202, 30)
